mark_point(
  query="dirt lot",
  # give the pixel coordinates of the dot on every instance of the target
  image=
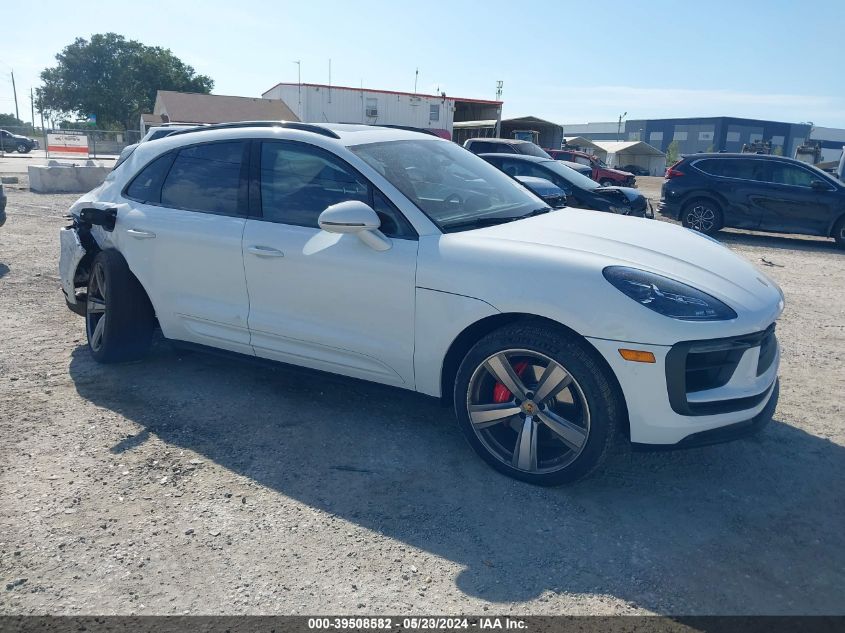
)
(191, 484)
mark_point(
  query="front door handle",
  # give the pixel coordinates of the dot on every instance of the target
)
(265, 251)
(140, 235)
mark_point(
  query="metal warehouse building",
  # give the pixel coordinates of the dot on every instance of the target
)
(714, 134)
(320, 103)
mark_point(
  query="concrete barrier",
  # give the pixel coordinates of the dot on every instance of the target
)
(56, 177)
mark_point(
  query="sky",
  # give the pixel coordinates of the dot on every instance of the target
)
(568, 61)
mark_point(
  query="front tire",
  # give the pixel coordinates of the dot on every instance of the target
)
(22, 148)
(839, 232)
(702, 215)
(606, 183)
(536, 405)
(119, 319)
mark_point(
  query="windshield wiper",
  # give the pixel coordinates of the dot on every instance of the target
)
(480, 222)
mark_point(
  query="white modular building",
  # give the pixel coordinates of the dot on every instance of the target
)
(321, 103)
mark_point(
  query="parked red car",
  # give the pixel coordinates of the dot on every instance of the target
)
(602, 174)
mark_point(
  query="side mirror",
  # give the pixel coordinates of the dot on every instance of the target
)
(355, 217)
(819, 185)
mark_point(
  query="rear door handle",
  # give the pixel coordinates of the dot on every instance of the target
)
(140, 235)
(265, 251)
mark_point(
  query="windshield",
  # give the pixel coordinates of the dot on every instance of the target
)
(570, 175)
(455, 188)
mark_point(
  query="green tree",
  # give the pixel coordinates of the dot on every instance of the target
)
(114, 78)
(778, 150)
(9, 120)
(673, 154)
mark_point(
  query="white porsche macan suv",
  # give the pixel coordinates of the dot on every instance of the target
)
(403, 259)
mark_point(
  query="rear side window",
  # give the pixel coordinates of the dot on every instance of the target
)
(483, 147)
(206, 178)
(742, 168)
(146, 186)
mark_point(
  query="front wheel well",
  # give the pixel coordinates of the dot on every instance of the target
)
(478, 330)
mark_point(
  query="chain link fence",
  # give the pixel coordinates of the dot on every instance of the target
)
(101, 143)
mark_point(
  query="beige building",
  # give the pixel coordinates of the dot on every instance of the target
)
(191, 107)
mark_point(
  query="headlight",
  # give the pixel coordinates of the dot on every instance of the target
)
(666, 296)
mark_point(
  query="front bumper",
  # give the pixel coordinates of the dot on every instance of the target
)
(655, 417)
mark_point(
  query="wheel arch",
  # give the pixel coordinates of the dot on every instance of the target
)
(835, 223)
(481, 328)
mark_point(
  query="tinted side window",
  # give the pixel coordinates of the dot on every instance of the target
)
(745, 169)
(482, 147)
(298, 183)
(784, 174)
(206, 178)
(393, 223)
(146, 186)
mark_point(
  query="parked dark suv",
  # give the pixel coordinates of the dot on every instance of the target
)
(16, 143)
(707, 192)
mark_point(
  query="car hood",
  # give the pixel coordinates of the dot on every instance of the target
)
(629, 193)
(603, 239)
(618, 172)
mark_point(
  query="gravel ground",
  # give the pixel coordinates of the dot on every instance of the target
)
(192, 484)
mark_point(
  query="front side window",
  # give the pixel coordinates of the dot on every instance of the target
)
(452, 186)
(784, 174)
(299, 182)
(206, 178)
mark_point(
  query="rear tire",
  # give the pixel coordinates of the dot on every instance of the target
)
(553, 435)
(702, 215)
(119, 319)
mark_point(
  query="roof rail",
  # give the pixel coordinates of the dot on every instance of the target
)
(407, 128)
(291, 125)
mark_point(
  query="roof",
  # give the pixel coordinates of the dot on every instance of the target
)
(579, 141)
(530, 119)
(389, 92)
(192, 107)
(616, 147)
(473, 124)
(528, 157)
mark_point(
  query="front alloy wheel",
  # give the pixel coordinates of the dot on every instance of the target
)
(537, 403)
(528, 411)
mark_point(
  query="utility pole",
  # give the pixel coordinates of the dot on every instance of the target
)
(32, 108)
(15, 92)
(416, 77)
(499, 85)
(299, 81)
(619, 125)
(330, 79)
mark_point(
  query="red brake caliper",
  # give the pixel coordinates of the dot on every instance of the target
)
(500, 392)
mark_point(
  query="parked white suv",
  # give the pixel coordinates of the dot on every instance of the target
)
(404, 259)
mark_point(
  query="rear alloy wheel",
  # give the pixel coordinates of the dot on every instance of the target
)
(703, 216)
(535, 405)
(119, 319)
